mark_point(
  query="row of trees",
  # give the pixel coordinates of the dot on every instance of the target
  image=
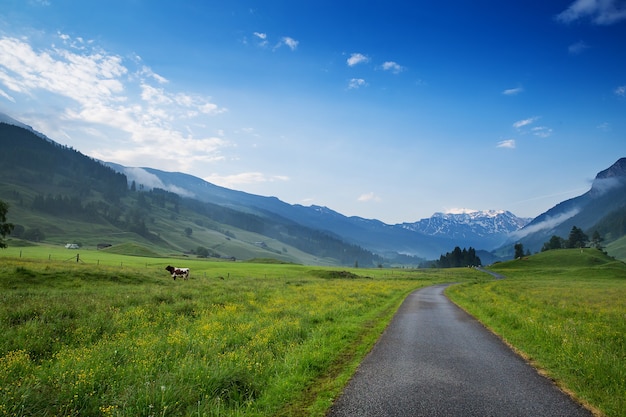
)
(576, 239)
(458, 258)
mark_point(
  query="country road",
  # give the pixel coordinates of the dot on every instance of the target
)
(436, 360)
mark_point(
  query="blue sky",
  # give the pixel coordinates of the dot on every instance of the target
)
(391, 109)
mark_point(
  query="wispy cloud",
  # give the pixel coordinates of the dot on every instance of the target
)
(263, 41)
(367, 197)
(392, 66)
(512, 91)
(355, 83)
(600, 12)
(577, 48)
(525, 122)
(290, 42)
(7, 96)
(508, 143)
(523, 126)
(620, 91)
(548, 223)
(541, 131)
(147, 179)
(90, 85)
(357, 58)
(262, 38)
(243, 178)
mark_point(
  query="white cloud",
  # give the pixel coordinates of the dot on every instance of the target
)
(355, 83)
(521, 123)
(5, 95)
(154, 95)
(621, 91)
(541, 131)
(87, 78)
(513, 91)
(548, 223)
(148, 72)
(600, 12)
(357, 58)
(290, 42)
(459, 210)
(92, 86)
(577, 48)
(368, 197)
(262, 37)
(523, 126)
(392, 66)
(230, 181)
(149, 180)
(508, 143)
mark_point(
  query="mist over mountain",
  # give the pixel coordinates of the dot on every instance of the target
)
(607, 197)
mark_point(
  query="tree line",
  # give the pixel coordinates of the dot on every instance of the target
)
(458, 258)
(576, 239)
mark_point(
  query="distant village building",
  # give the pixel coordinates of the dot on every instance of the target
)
(72, 246)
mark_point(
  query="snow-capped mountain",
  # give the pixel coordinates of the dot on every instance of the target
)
(488, 228)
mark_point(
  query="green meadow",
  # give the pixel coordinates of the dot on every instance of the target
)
(114, 335)
(565, 311)
(107, 334)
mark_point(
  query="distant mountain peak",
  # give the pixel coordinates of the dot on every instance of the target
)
(471, 214)
(489, 227)
(618, 169)
(610, 178)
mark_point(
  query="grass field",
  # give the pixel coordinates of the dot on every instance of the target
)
(114, 335)
(565, 311)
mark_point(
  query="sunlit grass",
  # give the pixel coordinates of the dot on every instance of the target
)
(566, 312)
(91, 338)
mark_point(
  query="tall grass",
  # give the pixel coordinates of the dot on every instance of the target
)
(566, 312)
(89, 339)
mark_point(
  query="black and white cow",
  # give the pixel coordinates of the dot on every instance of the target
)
(178, 272)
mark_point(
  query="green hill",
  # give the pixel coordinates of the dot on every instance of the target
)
(564, 262)
(58, 195)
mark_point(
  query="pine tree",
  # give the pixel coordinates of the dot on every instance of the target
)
(577, 238)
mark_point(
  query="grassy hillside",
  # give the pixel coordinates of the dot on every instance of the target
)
(564, 311)
(617, 248)
(58, 195)
(165, 232)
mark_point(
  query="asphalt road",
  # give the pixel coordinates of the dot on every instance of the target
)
(436, 360)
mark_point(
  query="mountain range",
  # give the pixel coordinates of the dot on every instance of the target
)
(310, 230)
(427, 238)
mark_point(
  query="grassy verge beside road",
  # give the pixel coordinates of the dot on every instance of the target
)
(565, 311)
